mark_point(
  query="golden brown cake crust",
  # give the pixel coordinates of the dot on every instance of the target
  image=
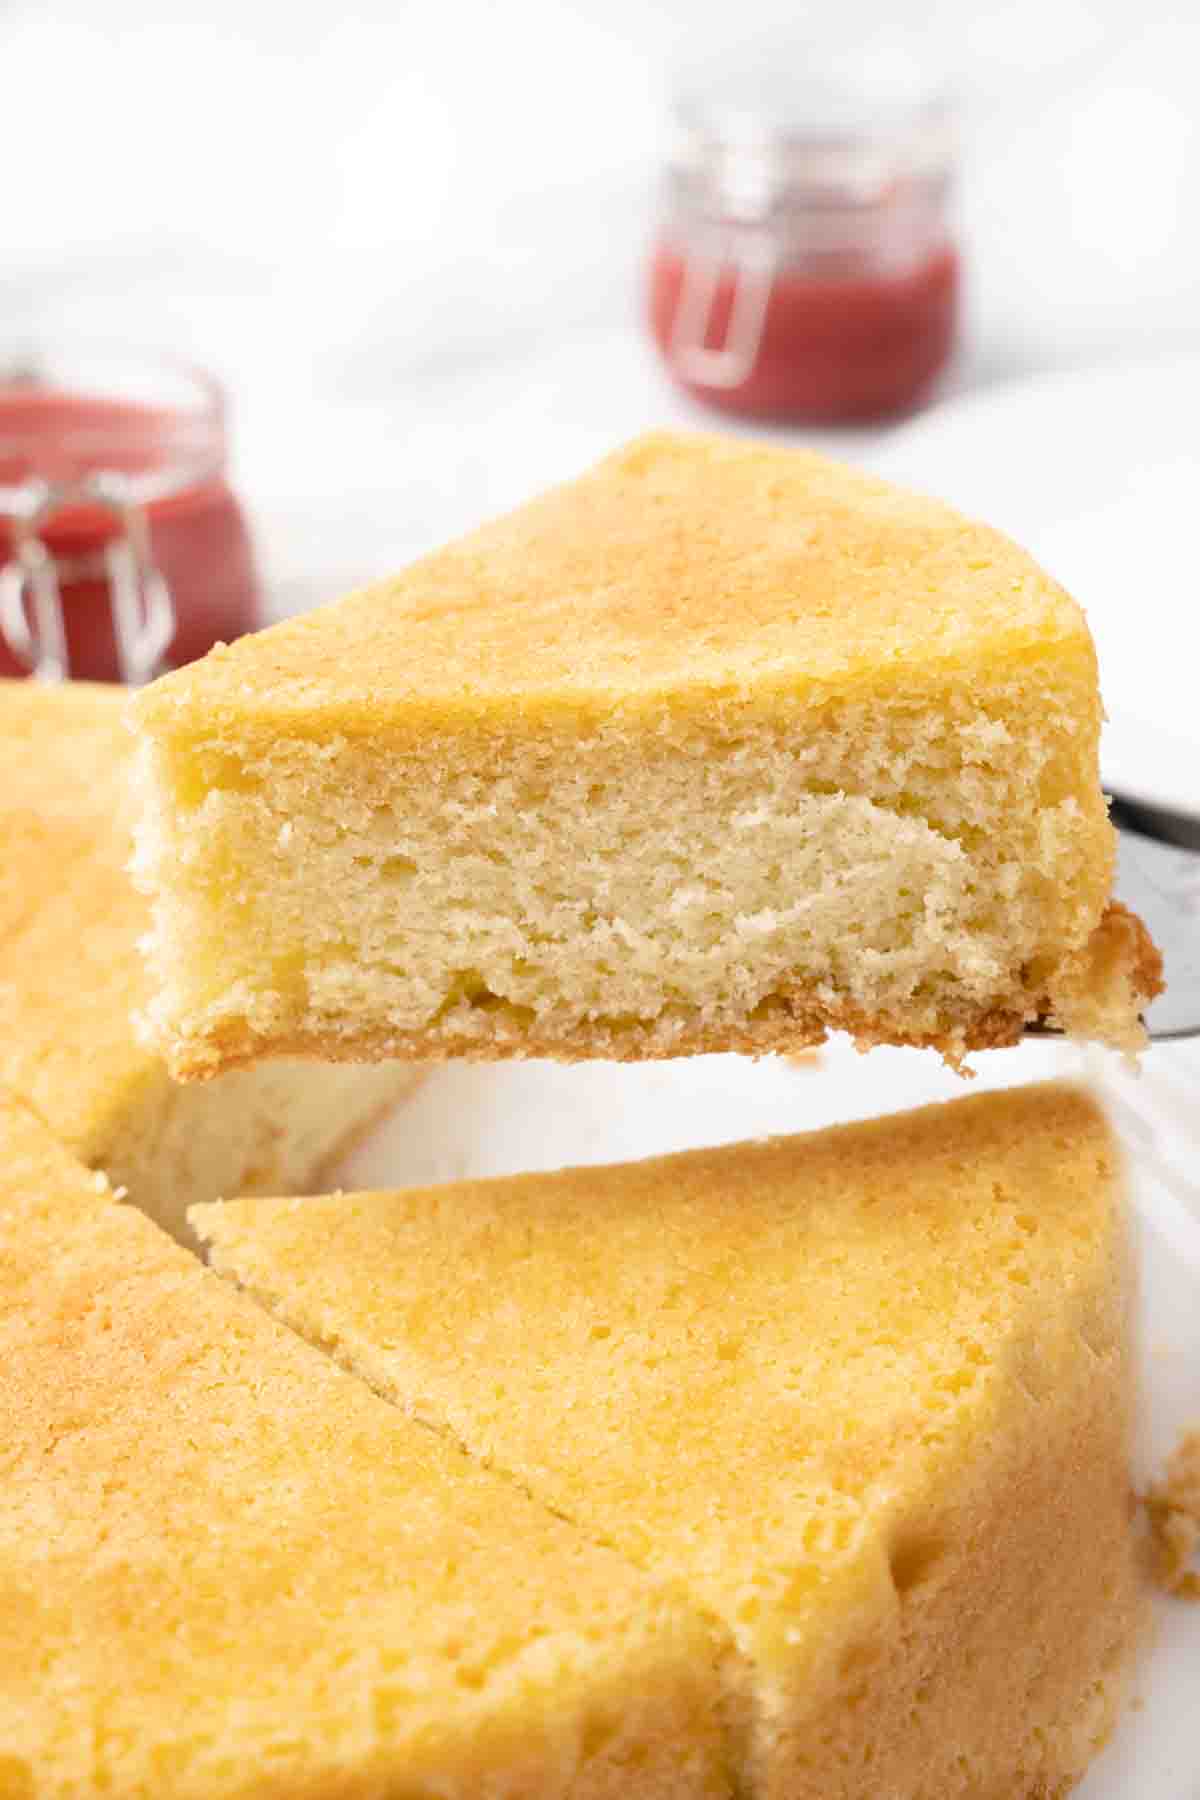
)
(681, 565)
(790, 1025)
(1119, 971)
(228, 1569)
(1141, 955)
(70, 918)
(864, 1393)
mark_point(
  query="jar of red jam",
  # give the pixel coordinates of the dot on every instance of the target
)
(123, 549)
(805, 268)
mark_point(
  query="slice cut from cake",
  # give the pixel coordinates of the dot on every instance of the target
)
(71, 973)
(864, 1395)
(227, 1569)
(719, 747)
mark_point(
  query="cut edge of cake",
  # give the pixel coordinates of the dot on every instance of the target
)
(71, 969)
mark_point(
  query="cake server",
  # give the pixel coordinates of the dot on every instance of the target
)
(1158, 877)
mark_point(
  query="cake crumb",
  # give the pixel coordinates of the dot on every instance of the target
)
(1173, 1510)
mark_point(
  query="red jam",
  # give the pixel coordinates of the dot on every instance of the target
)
(198, 536)
(841, 344)
(805, 268)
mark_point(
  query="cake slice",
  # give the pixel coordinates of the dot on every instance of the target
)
(720, 747)
(227, 1569)
(71, 973)
(864, 1395)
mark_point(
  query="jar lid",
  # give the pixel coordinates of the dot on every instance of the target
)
(808, 124)
(81, 420)
(91, 439)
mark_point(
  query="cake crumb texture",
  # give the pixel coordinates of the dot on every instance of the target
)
(720, 747)
(71, 975)
(227, 1569)
(1173, 1510)
(864, 1395)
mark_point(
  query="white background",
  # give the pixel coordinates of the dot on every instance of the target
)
(368, 218)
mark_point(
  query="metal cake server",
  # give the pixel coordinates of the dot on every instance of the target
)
(1158, 877)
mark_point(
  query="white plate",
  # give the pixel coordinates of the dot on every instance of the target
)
(472, 1120)
(1098, 473)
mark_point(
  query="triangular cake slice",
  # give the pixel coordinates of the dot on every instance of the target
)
(227, 1569)
(863, 1394)
(71, 975)
(719, 747)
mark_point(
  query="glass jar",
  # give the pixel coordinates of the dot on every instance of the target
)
(805, 268)
(123, 549)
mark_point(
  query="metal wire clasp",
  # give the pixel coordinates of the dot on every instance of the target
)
(751, 268)
(31, 609)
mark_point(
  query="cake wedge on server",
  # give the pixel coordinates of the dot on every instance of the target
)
(863, 1395)
(720, 746)
(72, 977)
